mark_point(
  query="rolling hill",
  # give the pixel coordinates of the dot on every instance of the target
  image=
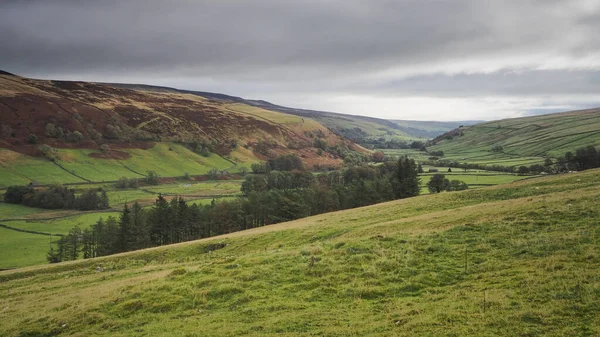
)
(524, 140)
(514, 260)
(431, 129)
(342, 124)
(73, 120)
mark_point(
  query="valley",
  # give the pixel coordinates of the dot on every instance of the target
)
(272, 209)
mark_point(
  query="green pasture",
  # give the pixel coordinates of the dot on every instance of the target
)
(60, 225)
(198, 188)
(20, 169)
(22, 249)
(172, 160)
(510, 260)
(80, 163)
(11, 211)
(529, 137)
(76, 166)
(475, 179)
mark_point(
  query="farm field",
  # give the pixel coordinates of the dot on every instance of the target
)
(517, 259)
(16, 168)
(482, 157)
(528, 137)
(166, 159)
(173, 160)
(418, 156)
(60, 225)
(20, 249)
(11, 211)
(201, 188)
(476, 179)
(489, 158)
(78, 162)
(61, 221)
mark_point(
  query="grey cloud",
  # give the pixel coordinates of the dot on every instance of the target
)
(335, 46)
(508, 83)
(218, 37)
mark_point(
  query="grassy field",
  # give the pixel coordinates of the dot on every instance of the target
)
(510, 260)
(11, 211)
(525, 140)
(23, 249)
(418, 156)
(480, 156)
(16, 168)
(172, 160)
(476, 178)
(166, 159)
(60, 225)
(199, 189)
(19, 249)
(33, 247)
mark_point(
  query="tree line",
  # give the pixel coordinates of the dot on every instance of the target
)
(57, 197)
(270, 198)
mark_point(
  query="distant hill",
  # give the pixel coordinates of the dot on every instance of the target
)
(537, 136)
(430, 129)
(353, 127)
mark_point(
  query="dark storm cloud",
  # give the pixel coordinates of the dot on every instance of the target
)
(406, 47)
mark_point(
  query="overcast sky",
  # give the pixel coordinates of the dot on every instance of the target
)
(404, 59)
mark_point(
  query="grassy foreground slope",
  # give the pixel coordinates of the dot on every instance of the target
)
(517, 259)
(523, 138)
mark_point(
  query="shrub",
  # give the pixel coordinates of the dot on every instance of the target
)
(122, 183)
(213, 174)
(7, 131)
(54, 131)
(48, 151)
(320, 144)
(457, 185)
(205, 152)
(104, 148)
(497, 148)
(74, 137)
(33, 139)
(112, 132)
(152, 178)
(133, 183)
(260, 167)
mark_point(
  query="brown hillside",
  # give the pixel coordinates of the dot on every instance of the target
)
(135, 118)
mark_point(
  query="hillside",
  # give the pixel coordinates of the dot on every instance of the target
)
(516, 259)
(524, 140)
(431, 129)
(81, 115)
(342, 124)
